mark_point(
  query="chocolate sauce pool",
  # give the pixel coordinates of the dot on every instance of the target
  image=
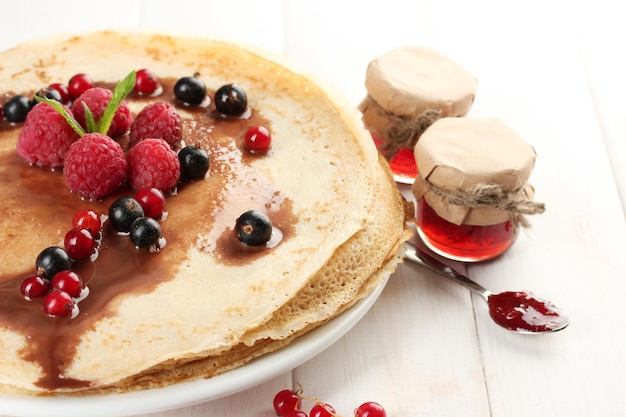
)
(120, 269)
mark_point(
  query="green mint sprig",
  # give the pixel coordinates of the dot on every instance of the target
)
(121, 91)
(63, 112)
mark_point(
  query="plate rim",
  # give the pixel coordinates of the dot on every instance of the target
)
(185, 394)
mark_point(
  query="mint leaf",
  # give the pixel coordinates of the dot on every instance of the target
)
(122, 89)
(63, 112)
(90, 122)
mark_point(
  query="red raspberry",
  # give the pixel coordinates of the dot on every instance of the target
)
(158, 121)
(153, 164)
(95, 166)
(46, 137)
(97, 99)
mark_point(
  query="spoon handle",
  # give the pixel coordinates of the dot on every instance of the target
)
(422, 258)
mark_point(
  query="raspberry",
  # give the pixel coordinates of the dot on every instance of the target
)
(97, 99)
(159, 121)
(46, 137)
(95, 166)
(153, 164)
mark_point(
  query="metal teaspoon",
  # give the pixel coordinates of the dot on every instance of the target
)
(516, 311)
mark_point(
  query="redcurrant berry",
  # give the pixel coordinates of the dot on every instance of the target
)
(89, 220)
(78, 84)
(146, 82)
(69, 282)
(153, 202)
(285, 401)
(370, 409)
(34, 286)
(79, 244)
(58, 303)
(258, 139)
(63, 91)
(322, 410)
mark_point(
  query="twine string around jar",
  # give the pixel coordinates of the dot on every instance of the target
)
(492, 196)
(403, 132)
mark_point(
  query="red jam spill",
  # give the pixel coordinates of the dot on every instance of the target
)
(402, 164)
(463, 242)
(122, 270)
(521, 311)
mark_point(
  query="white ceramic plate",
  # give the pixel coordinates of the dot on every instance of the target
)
(185, 394)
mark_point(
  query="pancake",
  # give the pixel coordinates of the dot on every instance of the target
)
(202, 305)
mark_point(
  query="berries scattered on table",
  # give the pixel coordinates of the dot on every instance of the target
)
(231, 100)
(158, 121)
(153, 164)
(190, 91)
(322, 410)
(288, 403)
(194, 163)
(253, 228)
(257, 139)
(46, 137)
(78, 84)
(370, 409)
(95, 166)
(147, 83)
(16, 109)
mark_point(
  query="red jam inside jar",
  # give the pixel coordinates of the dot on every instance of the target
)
(463, 242)
(402, 164)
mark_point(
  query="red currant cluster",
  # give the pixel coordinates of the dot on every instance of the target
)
(61, 288)
(288, 403)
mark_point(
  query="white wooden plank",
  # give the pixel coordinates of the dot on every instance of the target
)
(415, 353)
(531, 76)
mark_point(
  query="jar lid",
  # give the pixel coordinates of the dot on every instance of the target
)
(409, 80)
(475, 171)
(408, 89)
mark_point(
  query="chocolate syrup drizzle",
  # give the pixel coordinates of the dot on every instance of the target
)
(122, 270)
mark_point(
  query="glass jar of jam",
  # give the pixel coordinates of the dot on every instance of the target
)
(472, 192)
(408, 88)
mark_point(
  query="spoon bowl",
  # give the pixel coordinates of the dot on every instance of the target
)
(519, 311)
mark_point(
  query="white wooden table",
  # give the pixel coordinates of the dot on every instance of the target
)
(553, 70)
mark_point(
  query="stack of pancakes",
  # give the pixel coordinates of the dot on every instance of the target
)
(197, 308)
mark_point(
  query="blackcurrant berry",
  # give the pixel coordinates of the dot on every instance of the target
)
(253, 228)
(16, 109)
(51, 261)
(123, 212)
(194, 162)
(145, 232)
(47, 92)
(231, 100)
(190, 90)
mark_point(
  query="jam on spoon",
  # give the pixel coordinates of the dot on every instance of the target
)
(519, 311)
